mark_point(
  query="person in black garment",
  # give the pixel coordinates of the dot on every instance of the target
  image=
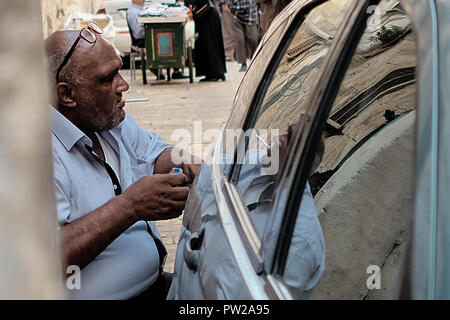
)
(209, 53)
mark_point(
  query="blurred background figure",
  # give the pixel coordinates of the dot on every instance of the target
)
(227, 29)
(269, 9)
(209, 53)
(245, 28)
(137, 29)
(138, 32)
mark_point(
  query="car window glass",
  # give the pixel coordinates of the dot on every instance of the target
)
(251, 80)
(284, 103)
(294, 79)
(276, 119)
(363, 187)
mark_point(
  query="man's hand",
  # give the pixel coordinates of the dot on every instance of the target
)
(158, 197)
(192, 170)
(190, 164)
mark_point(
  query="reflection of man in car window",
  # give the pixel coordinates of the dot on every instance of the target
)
(306, 257)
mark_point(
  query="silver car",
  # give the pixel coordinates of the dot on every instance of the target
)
(330, 178)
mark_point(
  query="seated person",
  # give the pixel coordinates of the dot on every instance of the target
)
(112, 178)
(139, 34)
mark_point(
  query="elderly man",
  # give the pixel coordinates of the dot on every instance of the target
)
(112, 178)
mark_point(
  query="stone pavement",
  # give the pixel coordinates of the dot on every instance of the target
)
(176, 105)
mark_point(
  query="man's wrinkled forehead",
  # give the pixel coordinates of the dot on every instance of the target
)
(99, 57)
(61, 40)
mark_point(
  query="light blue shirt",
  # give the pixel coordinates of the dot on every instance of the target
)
(131, 262)
(136, 27)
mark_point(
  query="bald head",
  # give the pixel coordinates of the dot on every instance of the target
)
(139, 2)
(57, 45)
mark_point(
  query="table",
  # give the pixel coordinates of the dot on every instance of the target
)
(166, 45)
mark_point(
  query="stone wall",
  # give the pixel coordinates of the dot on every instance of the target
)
(56, 12)
(29, 246)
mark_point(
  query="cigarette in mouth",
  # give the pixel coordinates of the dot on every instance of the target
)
(134, 100)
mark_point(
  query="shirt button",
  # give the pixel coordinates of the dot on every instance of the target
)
(115, 187)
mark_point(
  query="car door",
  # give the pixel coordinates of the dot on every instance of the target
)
(240, 217)
(365, 241)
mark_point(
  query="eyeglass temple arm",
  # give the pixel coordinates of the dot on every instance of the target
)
(66, 58)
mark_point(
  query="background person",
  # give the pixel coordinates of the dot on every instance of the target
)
(227, 29)
(245, 28)
(139, 34)
(209, 53)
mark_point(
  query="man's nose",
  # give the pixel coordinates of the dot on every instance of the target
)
(123, 85)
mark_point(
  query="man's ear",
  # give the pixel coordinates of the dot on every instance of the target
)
(64, 92)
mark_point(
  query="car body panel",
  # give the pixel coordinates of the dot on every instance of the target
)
(443, 275)
(443, 158)
(430, 258)
(427, 101)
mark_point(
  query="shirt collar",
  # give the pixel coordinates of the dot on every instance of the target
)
(66, 131)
